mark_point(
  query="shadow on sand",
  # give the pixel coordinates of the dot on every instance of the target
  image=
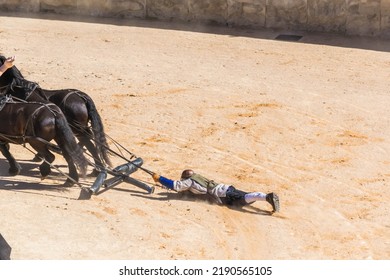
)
(30, 169)
(317, 38)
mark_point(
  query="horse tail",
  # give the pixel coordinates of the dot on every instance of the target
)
(67, 142)
(98, 129)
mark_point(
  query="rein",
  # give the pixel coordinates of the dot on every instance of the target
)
(63, 102)
(3, 101)
(3, 87)
(23, 85)
(32, 90)
(24, 137)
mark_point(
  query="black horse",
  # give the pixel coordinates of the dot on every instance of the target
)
(37, 124)
(78, 108)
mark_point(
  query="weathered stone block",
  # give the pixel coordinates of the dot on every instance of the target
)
(167, 9)
(247, 12)
(385, 19)
(363, 17)
(289, 14)
(327, 15)
(385, 26)
(128, 8)
(355, 17)
(19, 5)
(209, 10)
(59, 6)
(385, 7)
(93, 8)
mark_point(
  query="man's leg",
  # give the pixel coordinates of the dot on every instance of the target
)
(271, 198)
(235, 196)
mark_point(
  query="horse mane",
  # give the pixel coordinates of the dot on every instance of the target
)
(23, 83)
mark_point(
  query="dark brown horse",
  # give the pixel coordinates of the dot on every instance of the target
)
(78, 108)
(37, 124)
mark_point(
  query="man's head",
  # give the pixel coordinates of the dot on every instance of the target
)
(2, 59)
(187, 174)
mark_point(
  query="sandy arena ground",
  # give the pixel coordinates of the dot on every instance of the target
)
(307, 120)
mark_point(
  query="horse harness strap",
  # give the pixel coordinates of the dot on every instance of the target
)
(9, 139)
(63, 102)
(24, 84)
(31, 123)
(3, 88)
(4, 100)
(39, 93)
(31, 91)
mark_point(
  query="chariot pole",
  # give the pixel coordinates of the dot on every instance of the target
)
(120, 174)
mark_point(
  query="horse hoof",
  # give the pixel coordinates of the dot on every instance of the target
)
(45, 171)
(68, 184)
(36, 159)
(14, 172)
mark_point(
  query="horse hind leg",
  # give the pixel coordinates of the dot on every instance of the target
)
(15, 167)
(37, 158)
(46, 155)
(86, 142)
(73, 174)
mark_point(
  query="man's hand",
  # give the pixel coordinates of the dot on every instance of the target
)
(156, 177)
(9, 62)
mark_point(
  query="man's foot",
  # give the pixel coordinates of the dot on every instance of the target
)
(273, 199)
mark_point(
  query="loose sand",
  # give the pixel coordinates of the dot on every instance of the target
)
(308, 120)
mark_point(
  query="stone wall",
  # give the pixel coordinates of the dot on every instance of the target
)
(352, 17)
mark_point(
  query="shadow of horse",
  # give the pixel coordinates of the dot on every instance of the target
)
(29, 169)
(10, 185)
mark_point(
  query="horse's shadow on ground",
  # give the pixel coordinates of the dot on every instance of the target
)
(29, 169)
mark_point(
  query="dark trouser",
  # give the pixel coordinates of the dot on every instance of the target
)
(234, 196)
